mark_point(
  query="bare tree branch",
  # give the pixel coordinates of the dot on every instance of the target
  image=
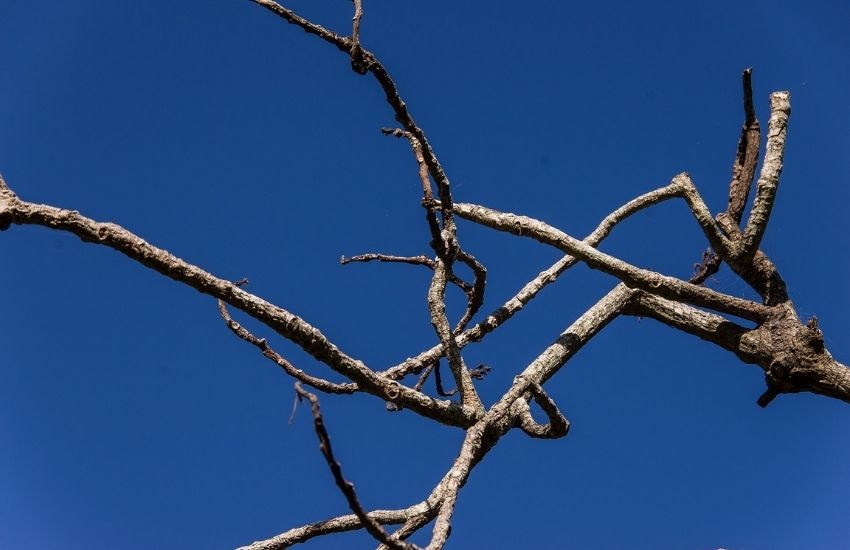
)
(744, 167)
(412, 260)
(668, 287)
(261, 343)
(541, 281)
(791, 354)
(339, 524)
(370, 524)
(437, 307)
(780, 110)
(291, 327)
(558, 425)
(475, 295)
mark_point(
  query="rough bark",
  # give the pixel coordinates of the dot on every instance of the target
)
(791, 353)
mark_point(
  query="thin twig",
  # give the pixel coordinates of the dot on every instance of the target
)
(413, 260)
(746, 158)
(371, 525)
(475, 295)
(261, 343)
(531, 289)
(288, 325)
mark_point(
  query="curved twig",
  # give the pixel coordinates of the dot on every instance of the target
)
(319, 383)
(370, 524)
(531, 289)
(558, 425)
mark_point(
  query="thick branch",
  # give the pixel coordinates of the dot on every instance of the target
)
(791, 354)
(707, 326)
(292, 327)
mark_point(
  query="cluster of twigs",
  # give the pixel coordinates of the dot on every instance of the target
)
(790, 352)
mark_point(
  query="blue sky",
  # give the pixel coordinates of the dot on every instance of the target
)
(131, 418)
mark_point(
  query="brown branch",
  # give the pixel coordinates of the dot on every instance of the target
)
(291, 327)
(438, 381)
(427, 195)
(372, 526)
(709, 265)
(701, 213)
(743, 172)
(475, 295)
(746, 158)
(791, 354)
(261, 343)
(437, 308)
(365, 61)
(759, 271)
(412, 260)
(558, 425)
(342, 43)
(341, 524)
(531, 289)
(707, 326)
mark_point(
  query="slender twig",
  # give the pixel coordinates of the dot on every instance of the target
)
(355, 21)
(438, 381)
(340, 524)
(425, 181)
(746, 158)
(343, 43)
(373, 527)
(437, 308)
(475, 295)
(261, 343)
(531, 289)
(288, 325)
(413, 260)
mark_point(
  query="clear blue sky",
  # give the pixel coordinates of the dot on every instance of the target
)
(130, 417)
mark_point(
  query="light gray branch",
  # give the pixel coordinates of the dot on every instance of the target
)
(780, 110)
(534, 286)
(662, 285)
(291, 327)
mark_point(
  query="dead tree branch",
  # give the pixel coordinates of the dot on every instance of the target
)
(370, 524)
(791, 354)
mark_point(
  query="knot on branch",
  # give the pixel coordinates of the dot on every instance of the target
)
(793, 354)
(361, 60)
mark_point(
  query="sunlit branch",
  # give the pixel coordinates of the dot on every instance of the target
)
(310, 339)
(534, 286)
(261, 343)
(663, 285)
(780, 110)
